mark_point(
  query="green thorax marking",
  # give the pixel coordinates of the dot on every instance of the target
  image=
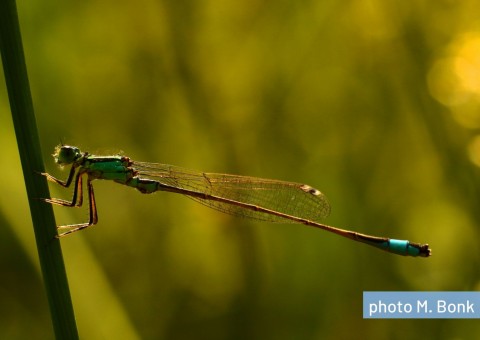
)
(116, 168)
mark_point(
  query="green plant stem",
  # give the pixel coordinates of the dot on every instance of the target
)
(49, 250)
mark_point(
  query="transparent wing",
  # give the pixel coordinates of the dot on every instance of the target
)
(294, 199)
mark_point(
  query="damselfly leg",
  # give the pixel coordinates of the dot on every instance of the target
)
(77, 200)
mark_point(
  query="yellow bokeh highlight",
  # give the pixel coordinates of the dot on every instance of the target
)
(454, 80)
(467, 65)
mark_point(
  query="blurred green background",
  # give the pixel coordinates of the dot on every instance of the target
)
(376, 104)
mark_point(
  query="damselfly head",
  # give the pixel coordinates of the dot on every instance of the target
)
(66, 154)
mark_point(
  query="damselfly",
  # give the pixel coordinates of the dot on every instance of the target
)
(255, 198)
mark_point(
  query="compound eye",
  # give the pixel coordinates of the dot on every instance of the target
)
(66, 154)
